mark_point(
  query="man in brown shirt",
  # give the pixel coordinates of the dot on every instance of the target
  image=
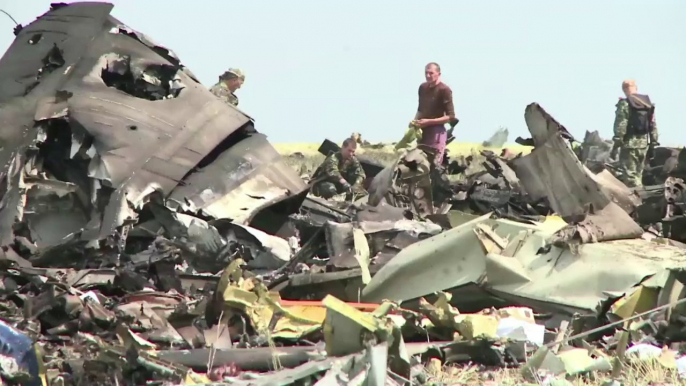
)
(434, 111)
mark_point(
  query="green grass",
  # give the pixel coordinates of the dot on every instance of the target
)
(642, 373)
(310, 159)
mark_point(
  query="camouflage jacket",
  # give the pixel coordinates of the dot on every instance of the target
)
(335, 167)
(620, 134)
(223, 92)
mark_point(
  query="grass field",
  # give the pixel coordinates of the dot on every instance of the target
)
(455, 149)
(304, 157)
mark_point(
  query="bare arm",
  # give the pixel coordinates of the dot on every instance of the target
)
(449, 107)
(419, 97)
(437, 121)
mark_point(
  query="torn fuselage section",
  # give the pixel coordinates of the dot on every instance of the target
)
(554, 173)
(52, 61)
(110, 118)
(148, 81)
(62, 194)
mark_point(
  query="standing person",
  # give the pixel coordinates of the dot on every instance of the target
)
(229, 82)
(635, 133)
(341, 172)
(434, 110)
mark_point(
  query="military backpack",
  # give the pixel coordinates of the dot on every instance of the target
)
(641, 111)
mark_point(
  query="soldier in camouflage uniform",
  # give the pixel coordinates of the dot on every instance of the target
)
(341, 172)
(635, 133)
(229, 82)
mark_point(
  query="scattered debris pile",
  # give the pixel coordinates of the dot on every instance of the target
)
(150, 235)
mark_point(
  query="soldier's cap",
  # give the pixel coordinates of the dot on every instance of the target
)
(233, 73)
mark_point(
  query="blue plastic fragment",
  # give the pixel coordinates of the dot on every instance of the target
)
(15, 344)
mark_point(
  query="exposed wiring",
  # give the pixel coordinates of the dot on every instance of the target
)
(617, 323)
(10, 16)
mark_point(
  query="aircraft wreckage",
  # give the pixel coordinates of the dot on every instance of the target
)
(96, 117)
(151, 234)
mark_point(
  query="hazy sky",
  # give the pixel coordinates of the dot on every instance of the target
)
(318, 69)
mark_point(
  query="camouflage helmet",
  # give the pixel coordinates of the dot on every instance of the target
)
(232, 73)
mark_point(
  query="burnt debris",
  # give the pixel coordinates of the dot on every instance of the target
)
(149, 234)
(153, 82)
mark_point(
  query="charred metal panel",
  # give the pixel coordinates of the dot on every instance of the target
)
(86, 100)
(552, 171)
(244, 178)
